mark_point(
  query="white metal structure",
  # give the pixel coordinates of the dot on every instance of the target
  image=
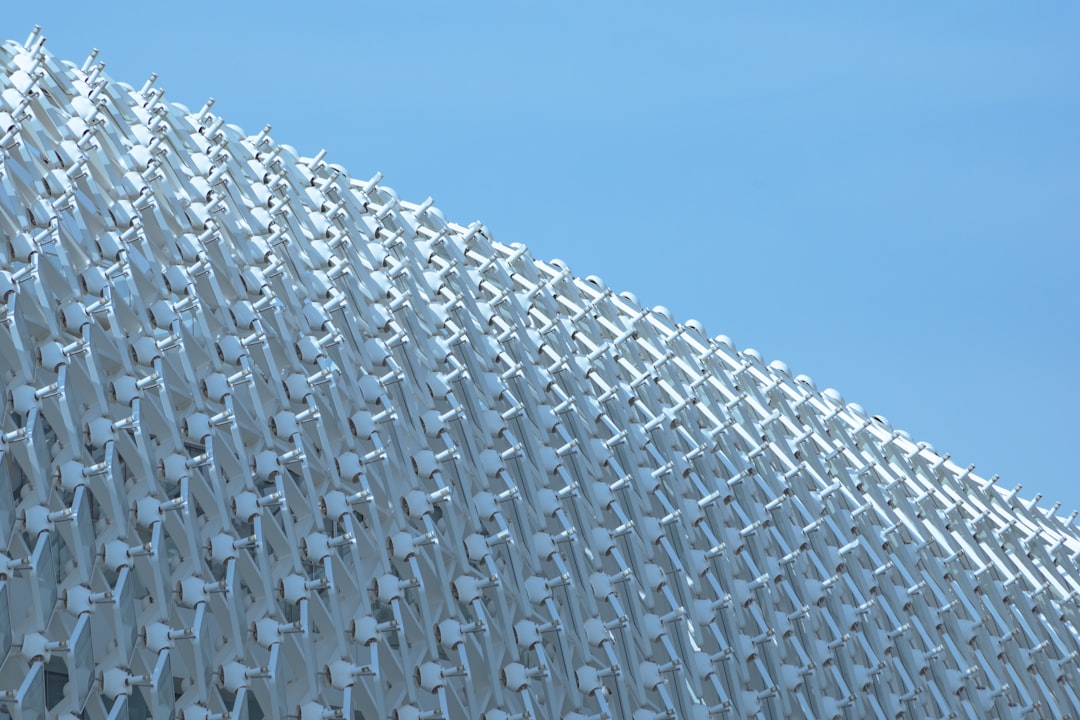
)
(275, 443)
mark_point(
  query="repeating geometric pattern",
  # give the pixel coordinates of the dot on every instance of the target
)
(278, 444)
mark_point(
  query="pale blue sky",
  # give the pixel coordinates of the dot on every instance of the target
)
(887, 199)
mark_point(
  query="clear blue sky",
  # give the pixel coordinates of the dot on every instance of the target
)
(886, 198)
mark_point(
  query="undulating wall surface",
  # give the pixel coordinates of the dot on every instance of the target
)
(278, 444)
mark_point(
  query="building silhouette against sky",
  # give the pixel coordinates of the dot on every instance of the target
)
(278, 443)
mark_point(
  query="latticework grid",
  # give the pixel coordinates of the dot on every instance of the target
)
(276, 443)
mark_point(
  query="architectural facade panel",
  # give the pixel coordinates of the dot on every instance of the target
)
(276, 443)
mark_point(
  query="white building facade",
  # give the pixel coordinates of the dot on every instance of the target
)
(276, 443)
